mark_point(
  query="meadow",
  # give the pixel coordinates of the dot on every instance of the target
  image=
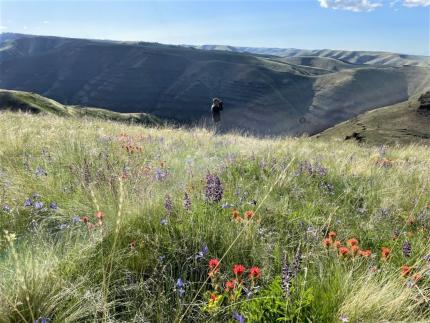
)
(107, 222)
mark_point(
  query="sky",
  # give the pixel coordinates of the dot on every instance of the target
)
(401, 26)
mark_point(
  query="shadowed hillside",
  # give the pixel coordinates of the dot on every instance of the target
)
(406, 122)
(262, 95)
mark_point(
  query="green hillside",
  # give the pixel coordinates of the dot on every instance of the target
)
(108, 222)
(32, 102)
(401, 123)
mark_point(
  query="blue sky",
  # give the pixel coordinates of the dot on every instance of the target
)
(391, 25)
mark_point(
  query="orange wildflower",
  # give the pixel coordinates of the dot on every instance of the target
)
(385, 253)
(365, 253)
(343, 251)
(417, 277)
(332, 234)
(405, 270)
(100, 215)
(85, 219)
(249, 214)
(352, 242)
(235, 214)
(337, 244)
(327, 242)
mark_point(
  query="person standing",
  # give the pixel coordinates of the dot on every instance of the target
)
(216, 108)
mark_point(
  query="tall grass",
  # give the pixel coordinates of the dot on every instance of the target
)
(126, 268)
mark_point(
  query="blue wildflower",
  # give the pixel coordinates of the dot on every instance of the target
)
(179, 283)
(42, 320)
(427, 258)
(160, 174)
(163, 222)
(238, 317)
(38, 205)
(41, 172)
(62, 226)
(28, 202)
(203, 252)
(180, 287)
(53, 206)
(76, 219)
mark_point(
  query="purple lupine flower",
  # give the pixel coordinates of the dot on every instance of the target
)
(286, 277)
(187, 202)
(38, 205)
(168, 205)
(40, 171)
(203, 252)
(319, 170)
(407, 249)
(28, 202)
(344, 318)
(214, 188)
(297, 263)
(427, 258)
(53, 206)
(238, 317)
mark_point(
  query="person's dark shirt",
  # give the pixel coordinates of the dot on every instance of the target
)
(216, 113)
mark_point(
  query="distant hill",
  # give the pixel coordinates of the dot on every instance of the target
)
(268, 95)
(352, 57)
(403, 123)
(31, 102)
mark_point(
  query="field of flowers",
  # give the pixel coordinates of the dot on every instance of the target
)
(105, 222)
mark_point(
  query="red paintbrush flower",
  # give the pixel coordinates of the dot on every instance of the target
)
(405, 270)
(343, 251)
(332, 234)
(85, 219)
(249, 214)
(254, 273)
(385, 253)
(352, 242)
(230, 285)
(238, 269)
(327, 242)
(213, 263)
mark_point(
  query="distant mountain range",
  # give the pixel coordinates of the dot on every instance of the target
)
(265, 91)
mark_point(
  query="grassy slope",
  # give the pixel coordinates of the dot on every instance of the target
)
(26, 101)
(400, 123)
(127, 268)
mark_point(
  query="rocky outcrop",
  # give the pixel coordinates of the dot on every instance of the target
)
(424, 101)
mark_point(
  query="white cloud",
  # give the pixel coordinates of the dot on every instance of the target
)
(416, 3)
(351, 5)
(45, 22)
(3, 27)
